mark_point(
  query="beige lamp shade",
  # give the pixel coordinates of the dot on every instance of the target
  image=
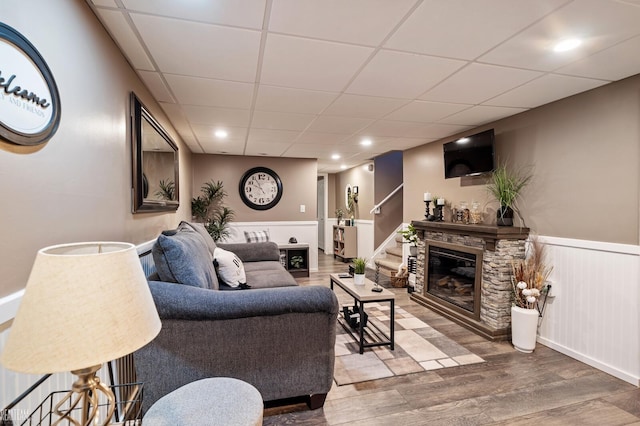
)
(84, 304)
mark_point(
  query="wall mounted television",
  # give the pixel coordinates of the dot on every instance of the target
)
(469, 156)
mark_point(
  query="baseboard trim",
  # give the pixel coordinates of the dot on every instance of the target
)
(629, 378)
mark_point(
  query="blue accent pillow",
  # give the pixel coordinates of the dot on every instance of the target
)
(183, 257)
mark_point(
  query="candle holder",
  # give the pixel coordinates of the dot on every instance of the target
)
(426, 209)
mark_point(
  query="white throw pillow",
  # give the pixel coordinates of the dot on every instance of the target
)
(230, 267)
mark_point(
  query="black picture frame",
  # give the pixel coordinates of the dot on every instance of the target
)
(251, 204)
(143, 196)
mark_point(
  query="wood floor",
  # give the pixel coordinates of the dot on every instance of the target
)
(511, 388)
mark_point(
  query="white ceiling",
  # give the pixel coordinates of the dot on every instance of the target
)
(312, 78)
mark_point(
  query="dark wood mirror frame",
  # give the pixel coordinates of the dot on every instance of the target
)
(154, 159)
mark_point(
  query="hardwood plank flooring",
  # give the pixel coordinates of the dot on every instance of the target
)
(510, 388)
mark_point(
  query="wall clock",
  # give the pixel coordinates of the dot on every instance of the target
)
(260, 188)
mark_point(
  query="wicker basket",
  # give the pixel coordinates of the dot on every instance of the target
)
(399, 281)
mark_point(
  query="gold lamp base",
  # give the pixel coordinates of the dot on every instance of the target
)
(84, 397)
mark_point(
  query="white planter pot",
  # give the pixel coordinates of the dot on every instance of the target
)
(524, 327)
(358, 279)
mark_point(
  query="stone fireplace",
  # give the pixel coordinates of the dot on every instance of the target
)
(464, 273)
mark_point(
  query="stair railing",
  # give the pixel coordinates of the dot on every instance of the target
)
(391, 194)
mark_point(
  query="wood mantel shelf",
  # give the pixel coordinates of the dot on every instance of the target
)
(489, 233)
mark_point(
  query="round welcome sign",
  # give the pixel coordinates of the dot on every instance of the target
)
(29, 100)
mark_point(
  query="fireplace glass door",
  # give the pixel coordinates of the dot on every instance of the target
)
(454, 276)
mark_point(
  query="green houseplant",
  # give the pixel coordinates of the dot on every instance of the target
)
(208, 209)
(359, 266)
(506, 187)
(167, 190)
(410, 236)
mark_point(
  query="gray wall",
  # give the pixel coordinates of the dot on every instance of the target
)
(585, 157)
(298, 178)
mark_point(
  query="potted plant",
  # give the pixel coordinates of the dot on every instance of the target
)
(529, 283)
(208, 209)
(339, 215)
(359, 265)
(410, 237)
(506, 187)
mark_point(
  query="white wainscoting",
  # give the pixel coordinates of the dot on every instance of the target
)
(365, 238)
(280, 232)
(595, 314)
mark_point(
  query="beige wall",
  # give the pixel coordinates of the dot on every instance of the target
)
(77, 186)
(585, 156)
(361, 178)
(299, 177)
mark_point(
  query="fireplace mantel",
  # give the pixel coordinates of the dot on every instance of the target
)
(489, 233)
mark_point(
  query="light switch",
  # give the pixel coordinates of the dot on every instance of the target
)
(303, 208)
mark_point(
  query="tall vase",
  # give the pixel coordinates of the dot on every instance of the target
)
(524, 327)
(504, 216)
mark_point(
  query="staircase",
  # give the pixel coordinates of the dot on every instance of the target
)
(388, 264)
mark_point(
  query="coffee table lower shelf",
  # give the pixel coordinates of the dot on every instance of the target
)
(371, 335)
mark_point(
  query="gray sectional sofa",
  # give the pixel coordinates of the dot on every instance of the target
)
(277, 336)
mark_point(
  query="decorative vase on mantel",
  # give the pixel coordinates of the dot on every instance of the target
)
(524, 327)
(504, 216)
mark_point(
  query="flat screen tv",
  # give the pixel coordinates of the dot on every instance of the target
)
(469, 156)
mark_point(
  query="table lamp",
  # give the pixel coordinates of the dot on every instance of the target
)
(84, 304)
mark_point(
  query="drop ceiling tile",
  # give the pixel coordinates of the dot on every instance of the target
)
(126, 39)
(205, 133)
(219, 117)
(600, 24)
(401, 75)
(310, 64)
(466, 29)
(231, 53)
(180, 123)
(216, 147)
(265, 136)
(337, 124)
(481, 114)
(401, 144)
(476, 83)
(266, 149)
(156, 85)
(615, 63)
(104, 3)
(363, 106)
(280, 120)
(544, 90)
(283, 99)
(425, 112)
(334, 19)
(241, 13)
(400, 129)
(314, 138)
(209, 92)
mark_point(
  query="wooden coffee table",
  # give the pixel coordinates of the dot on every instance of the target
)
(369, 335)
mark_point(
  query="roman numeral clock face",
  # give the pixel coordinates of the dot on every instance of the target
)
(260, 188)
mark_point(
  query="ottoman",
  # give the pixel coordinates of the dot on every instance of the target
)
(208, 402)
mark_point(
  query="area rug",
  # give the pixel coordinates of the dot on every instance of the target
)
(418, 348)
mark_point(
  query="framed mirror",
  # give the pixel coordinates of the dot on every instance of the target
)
(154, 158)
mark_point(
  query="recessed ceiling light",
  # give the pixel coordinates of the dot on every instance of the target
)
(567, 44)
(366, 142)
(343, 167)
(335, 157)
(462, 140)
(221, 134)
